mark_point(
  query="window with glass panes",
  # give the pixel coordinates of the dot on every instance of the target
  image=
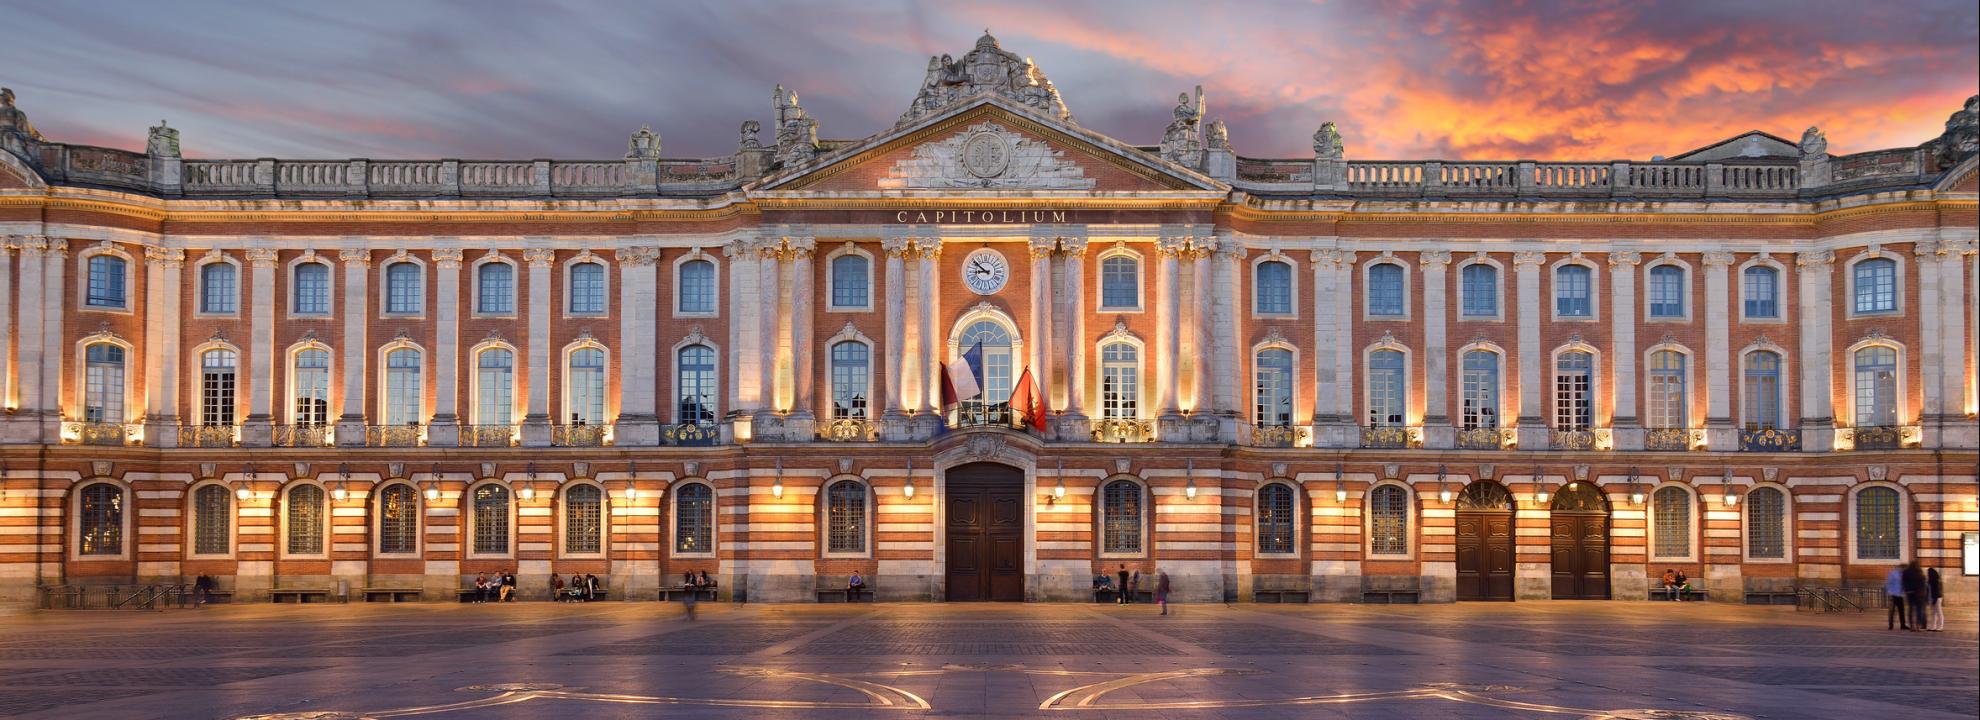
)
(1481, 391)
(1275, 519)
(494, 384)
(1121, 517)
(103, 383)
(850, 380)
(1763, 390)
(587, 289)
(217, 371)
(398, 520)
(584, 519)
(100, 520)
(587, 400)
(1671, 513)
(1274, 288)
(1876, 285)
(1572, 288)
(495, 288)
(1385, 290)
(695, 385)
(1120, 382)
(1666, 401)
(996, 371)
(1876, 387)
(1120, 283)
(1877, 524)
(405, 293)
(1666, 291)
(1388, 391)
(402, 387)
(694, 519)
(1388, 520)
(213, 519)
(1481, 290)
(1766, 524)
(850, 287)
(106, 281)
(311, 289)
(697, 287)
(1760, 289)
(219, 288)
(491, 519)
(1273, 392)
(311, 381)
(845, 517)
(1574, 400)
(304, 515)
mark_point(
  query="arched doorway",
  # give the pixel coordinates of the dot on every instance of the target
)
(1580, 534)
(984, 532)
(1485, 542)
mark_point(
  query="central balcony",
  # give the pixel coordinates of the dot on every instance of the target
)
(1123, 430)
(1769, 440)
(101, 433)
(851, 430)
(1391, 437)
(691, 434)
(998, 415)
(297, 436)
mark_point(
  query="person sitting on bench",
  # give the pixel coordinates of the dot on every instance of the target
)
(854, 585)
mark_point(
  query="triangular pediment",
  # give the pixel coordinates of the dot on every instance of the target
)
(1749, 145)
(989, 144)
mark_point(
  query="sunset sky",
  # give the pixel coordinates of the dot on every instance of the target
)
(1484, 80)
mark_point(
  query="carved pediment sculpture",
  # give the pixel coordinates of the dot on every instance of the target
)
(987, 155)
(986, 69)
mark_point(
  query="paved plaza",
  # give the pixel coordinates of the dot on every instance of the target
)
(646, 660)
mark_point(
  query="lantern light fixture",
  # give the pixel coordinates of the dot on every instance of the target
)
(342, 492)
(1443, 492)
(1731, 491)
(1635, 493)
(1540, 493)
(632, 490)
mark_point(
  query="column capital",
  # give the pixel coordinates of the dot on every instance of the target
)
(355, 257)
(448, 258)
(1329, 258)
(1625, 258)
(739, 248)
(638, 256)
(788, 247)
(261, 257)
(897, 246)
(1718, 258)
(1927, 248)
(929, 248)
(1818, 260)
(1073, 247)
(1042, 248)
(31, 244)
(1434, 258)
(1960, 247)
(1529, 259)
(165, 257)
(539, 257)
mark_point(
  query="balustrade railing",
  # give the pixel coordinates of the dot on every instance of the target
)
(1123, 430)
(587, 178)
(304, 435)
(1670, 439)
(488, 436)
(400, 177)
(312, 176)
(1277, 436)
(691, 434)
(219, 175)
(1657, 179)
(998, 415)
(579, 435)
(1480, 439)
(101, 433)
(407, 435)
(1881, 437)
(497, 176)
(851, 430)
(1571, 439)
(1503, 177)
(1572, 176)
(1769, 440)
(1389, 437)
(209, 436)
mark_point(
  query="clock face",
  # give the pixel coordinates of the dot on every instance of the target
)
(985, 271)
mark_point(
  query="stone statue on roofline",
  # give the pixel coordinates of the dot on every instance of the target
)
(797, 133)
(1217, 137)
(1182, 141)
(644, 144)
(12, 120)
(987, 69)
(1327, 142)
(748, 140)
(1814, 144)
(162, 142)
(1961, 138)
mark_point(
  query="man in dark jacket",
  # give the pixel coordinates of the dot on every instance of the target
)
(1122, 598)
(1916, 595)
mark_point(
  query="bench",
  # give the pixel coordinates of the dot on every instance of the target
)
(1657, 593)
(834, 586)
(390, 594)
(300, 595)
(1107, 595)
(667, 594)
(1773, 598)
(1391, 590)
(219, 596)
(1388, 597)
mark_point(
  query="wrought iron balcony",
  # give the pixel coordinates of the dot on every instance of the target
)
(691, 434)
(1769, 440)
(1123, 430)
(304, 435)
(488, 436)
(1480, 439)
(998, 415)
(209, 436)
(851, 430)
(1668, 439)
(1280, 436)
(579, 435)
(407, 435)
(1882, 437)
(1571, 439)
(101, 433)
(1394, 437)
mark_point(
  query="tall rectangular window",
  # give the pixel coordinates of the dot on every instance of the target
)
(1766, 523)
(1120, 283)
(1671, 513)
(404, 290)
(495, 373)
(1876, 387)
(695, 385)
(587, 289)
(106, 281)
(1760, 289)
(849, 282)
(1481, 391)
(219, 288)
(1763, 390)
(1574, 374)
(1274, 395)
(1667, 402)
(850, 376)
(403, 399)
(1876, 285)
(697, 287)
(216, 387)
(1572, 291)
(1274, 288)
(103, 383)
(1666, 291)
(495, 287)
(1480, 290)
(1385, 290)
(587, 401)
(584, 512)
(1387, 390)
(312, 387)
(1120, 382)
(311, 289)
(845, 517)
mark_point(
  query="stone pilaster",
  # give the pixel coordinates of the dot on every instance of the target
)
(1332, 427)
(1932, 350)
(1437, 430)
(1038, 349)
(1074, 423)
(1168, 335)
(638, 423)
(161, 347)
(26, 420)
(1627, 428)
(1532, 433)
(745, 364)
(445, 430)
(803, 370)
(893, 415)
(8, 246)
(1204, 365)
(54, 279)
(1956, 384)
(259, 428)
(536, 420)
(934, 344)
(357, 269)
(1226, 277)
(1720, 433)
(1818, 417)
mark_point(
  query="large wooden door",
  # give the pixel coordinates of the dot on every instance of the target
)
(1581, 556)
(1484, 555)
(985, 531)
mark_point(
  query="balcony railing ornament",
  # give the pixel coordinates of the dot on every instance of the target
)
(691, 434)
(1882, 437)
(1123, 430)
(409, 435)
(578, 435)
(101, 433)
(852, 430)
(1769, 440)
(1281, 436)
(1396, 438)
(488, 436)
(1571, 439)
(303, 435)
(209, 436)
(1480, 439)
(1667, 439)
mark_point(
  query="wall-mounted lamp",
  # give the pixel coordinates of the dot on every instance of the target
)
(1540, 493)
(1443, 493)
(777, 481)
(433, 491)
(247, 478)
(1059, 490)
(1340, 484)
(1635, 493)
(342, 491)
(907, 490)
(1189, 490)
(632, 490)
(1731, 492)
(528, 491)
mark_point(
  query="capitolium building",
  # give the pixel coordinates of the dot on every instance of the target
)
(986, 354)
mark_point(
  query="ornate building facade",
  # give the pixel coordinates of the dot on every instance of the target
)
(1271, 378)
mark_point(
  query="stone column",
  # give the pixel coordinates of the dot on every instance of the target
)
(1168, 336)
(445, 430)
(1075, 424)
(1326, 374)
(1818, 417)
(1532, 434)
(1437, 429)
(1959, 430)
(803, 370)
(745, 369)
(357, 269)
(934, 343)
(1626, 428)
(29, 344)
(1932, 351)
(895, 357)
(638, 423)
(773, 332)
(1226, 277)
(9, 244)
(1345, 353)
(1720, 433)
(1038, 347)
(54, 280)
(536, 420)
(161, 317)
(1202, 361)
(259, 428)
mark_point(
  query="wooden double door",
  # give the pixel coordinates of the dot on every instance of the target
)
(1484, 555)
(1580, 555)
(985, 532)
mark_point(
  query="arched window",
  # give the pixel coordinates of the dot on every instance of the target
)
(218, 369)
(495, 377)
(1573, 296)
(1274, 290)
(695, 385)
(106, 282)
(213, 518)
(1876, 387)
(1120, 283)
(1486, 495)
(697, 287)
(1275, 519)
(398, 520)
(219, 288)
(1763, 390)
(1875, 283)
(403, 397)
(1574, 397)
(100, 520)
(405, 294)
(1388, 520)
(1481, 290)
(1766, 524)
(1760, 290)
(1666, 291)
(845, 517)
(495, 288)
(1121, 517)
(584, 519)
(491, 519)
(311, 289)
(1670, 517)
(1878, 525)
(103, 383)
(304, 513)
(694, 519)
(1667, 404)
(1385, 290)
(1120, 382)
(587, 289)
(849, 281)
(311, 382)
(994, 372)
(851, 373)
(1388, 388)
(1480, 410)
(1273, 395)
(587, 379)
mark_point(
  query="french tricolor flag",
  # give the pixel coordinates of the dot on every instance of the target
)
(962, 381)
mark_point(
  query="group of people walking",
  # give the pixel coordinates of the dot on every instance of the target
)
(1917, 598)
